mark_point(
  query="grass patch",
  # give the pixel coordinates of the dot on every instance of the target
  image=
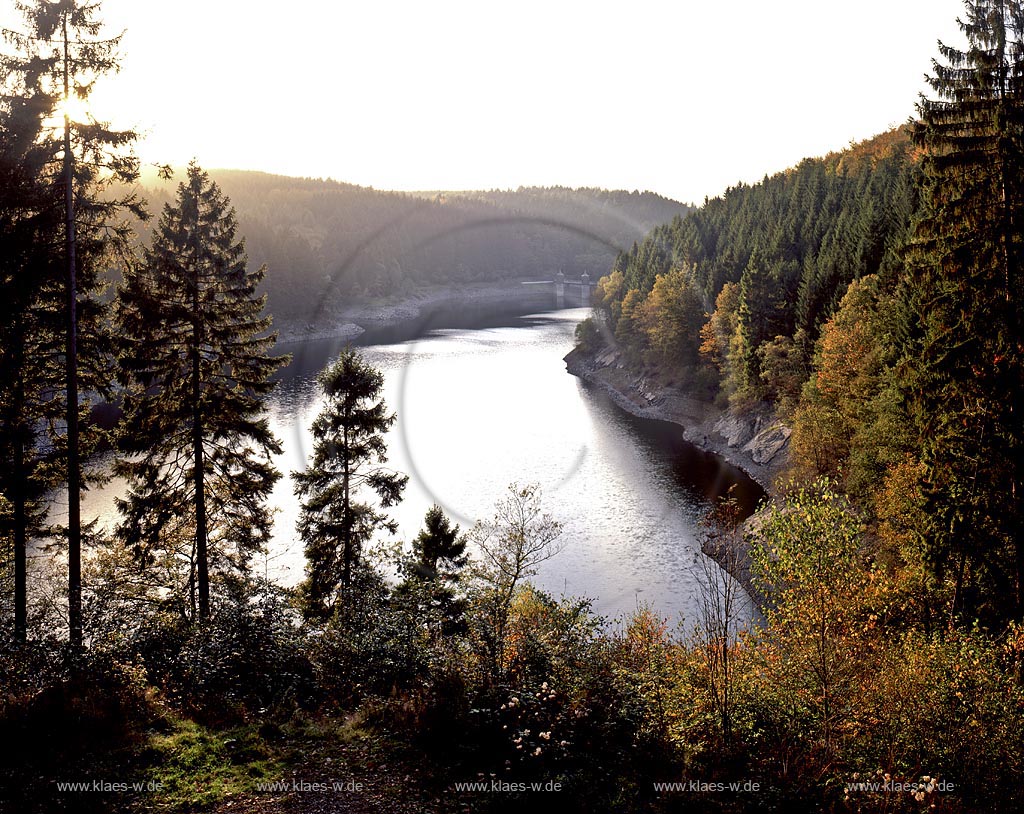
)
(196, 767)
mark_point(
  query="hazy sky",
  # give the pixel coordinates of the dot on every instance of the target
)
(684, 98)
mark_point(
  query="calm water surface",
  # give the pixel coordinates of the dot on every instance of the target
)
(483, 399)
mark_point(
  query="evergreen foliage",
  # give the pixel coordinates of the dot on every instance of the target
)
(872, 298)
(196, 367)
(434, 573)
(438, 548)
(900, 371)
(964, 303)
(791, 244)
(31, 336)
(348, 456)
(84, 170)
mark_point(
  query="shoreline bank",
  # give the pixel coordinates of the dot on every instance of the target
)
(354, 320)
(756, 443)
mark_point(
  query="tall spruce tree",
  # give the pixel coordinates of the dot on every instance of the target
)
(30, 335)
(965, 308)
(197, 367)
(58, 58)
(348, 456)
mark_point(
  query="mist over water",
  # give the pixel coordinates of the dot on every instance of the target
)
(483, 399)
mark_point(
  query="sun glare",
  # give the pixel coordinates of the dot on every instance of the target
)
(74, 108)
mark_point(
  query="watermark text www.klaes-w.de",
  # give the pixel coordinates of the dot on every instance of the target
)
(698, 786)
(110, 786)
(310, 786)
(897, 786)
(507, 787)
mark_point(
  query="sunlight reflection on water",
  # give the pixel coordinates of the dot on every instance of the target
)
(480, 407)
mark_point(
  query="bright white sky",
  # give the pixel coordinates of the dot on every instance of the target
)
(683, 97)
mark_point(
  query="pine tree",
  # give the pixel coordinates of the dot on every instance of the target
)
(62, 55)
(30, 335)
(438, 548)
(433, 572)
(197, 368)
(966, 372)
(348, 455)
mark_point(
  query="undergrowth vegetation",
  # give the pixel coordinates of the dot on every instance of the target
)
(837, 687)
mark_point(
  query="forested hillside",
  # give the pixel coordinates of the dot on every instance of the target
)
(327, 244)
(771, 262)
(844, 294)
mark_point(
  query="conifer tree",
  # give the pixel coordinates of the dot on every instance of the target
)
(76, 161)
(197, 368)
(438, 548)
(433, 572)
(30, 336)
(965, 311)
(348, 456)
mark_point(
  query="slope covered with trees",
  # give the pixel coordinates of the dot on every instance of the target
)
(871, 299)
(776, 256)
(328, 244)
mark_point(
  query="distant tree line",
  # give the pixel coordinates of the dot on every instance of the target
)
(328, 244)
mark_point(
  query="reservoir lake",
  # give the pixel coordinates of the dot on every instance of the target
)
(484, 400)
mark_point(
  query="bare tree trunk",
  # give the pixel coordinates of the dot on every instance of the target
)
(347, 553)
(958, 589)
(198, 458)
(718, 621)
(20, 542)
(74, 472)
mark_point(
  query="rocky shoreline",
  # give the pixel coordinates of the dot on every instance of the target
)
(757, 442)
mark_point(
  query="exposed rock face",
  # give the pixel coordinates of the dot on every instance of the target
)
(768, 443)
(736, 430)
(760, 435)
(756, 442)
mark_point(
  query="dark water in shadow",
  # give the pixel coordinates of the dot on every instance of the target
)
(702, 475)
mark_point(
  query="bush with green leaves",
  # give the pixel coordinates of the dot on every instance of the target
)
(588, 336)
(370, 646)
(807, 562)
(247, 658)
